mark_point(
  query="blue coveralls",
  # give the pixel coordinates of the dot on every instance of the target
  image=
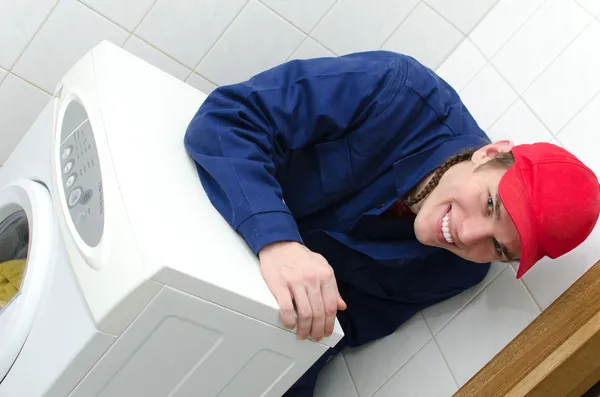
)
(313, 151)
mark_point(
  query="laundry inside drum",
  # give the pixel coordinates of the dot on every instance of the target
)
(14, 247)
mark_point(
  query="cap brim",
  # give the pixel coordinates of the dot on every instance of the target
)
(514, 196)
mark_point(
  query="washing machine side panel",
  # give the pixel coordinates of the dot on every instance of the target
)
(183, 346)
(63, 344)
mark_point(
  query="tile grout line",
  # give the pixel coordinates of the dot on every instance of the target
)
(438, 345)
(349, 373)
(466, 304)
(132, 33)
(446, 19)
(28, 82)
(212, 46)
(577, 113)
(440, 63)
(308, 35)
(104, 16)
(489, 59)
(387, 379)
(37, 31)
(552, 62)
(400, 24)
(531, 296)
(446, 362)
(483, 17)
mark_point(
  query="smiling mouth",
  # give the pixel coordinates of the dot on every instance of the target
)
(446, 228)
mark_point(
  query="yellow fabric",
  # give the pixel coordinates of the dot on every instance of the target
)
(11, 276)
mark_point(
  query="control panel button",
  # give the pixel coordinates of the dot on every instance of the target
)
(87, 196)
(81, 217)
(67, 168)
(70, 181)
(74, 197)
(67, 152)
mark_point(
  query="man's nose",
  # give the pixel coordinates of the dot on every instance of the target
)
(474, 230)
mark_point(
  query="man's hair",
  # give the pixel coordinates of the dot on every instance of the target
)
(501, 160)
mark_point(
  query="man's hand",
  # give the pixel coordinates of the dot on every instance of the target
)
(296, 275)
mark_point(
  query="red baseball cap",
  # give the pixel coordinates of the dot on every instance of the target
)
(553, 200)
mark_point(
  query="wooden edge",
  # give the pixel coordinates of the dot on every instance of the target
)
(575, 308)
(567, 370)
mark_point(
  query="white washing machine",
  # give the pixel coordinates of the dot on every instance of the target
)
(139, 288)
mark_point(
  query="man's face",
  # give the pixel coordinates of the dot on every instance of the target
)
(464, 214)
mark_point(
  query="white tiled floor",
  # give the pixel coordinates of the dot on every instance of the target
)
(527, 70)
(464, 14)
(303, 14)
(127, 14)
(462, 65)
(539, 41)
(371, 365)
(260, 37)
(155, 57)
(186, 29)
(311, 49)
(19, 21)
(570, 82)
(426, 36)
(20, 103)
(501, 23)
(353, 25)
(425, 375)
(73, 23)
(486, 325)
(439, 315)
(520, 125)
(487, 96)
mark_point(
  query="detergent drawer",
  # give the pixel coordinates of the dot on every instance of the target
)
(182, 346)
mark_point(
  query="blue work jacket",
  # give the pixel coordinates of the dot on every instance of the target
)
(315, 150)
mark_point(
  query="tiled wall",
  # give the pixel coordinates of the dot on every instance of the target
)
(527, 69)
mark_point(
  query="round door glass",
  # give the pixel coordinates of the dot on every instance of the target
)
(14, 248)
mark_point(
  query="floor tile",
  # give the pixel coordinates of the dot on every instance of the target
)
(545, 35)
(486, 325)
(464, 14)
(353, 25)
(153, 56)
(462, 65)
(372, 364)
(520, 125)
(259, 37)
(425, 375)
(334, 380)
(73, 23)
(439, 315)
(570, 82)
(187, 29)
(425, 36)
(487, 96)
(304, 14)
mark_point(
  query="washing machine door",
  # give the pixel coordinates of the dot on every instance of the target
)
(27, 243)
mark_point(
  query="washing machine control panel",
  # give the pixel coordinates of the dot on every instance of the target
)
(80, 174)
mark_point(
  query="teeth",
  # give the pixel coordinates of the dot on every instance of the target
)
(446, 229)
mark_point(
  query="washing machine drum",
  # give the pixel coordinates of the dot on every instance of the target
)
(25, 207)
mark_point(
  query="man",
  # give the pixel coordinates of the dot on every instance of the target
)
(369, 192)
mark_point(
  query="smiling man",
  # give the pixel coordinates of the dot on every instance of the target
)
(369, 192)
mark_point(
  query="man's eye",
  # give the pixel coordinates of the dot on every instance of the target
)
(497, 247)
(490, 203)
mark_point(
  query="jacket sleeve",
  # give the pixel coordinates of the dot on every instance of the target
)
(243, 132)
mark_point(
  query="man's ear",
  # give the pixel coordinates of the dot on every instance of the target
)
(490, 151)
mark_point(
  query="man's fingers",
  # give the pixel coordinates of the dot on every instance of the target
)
(284, 300)
(304, 311)
(318, 313)
(330, 296)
